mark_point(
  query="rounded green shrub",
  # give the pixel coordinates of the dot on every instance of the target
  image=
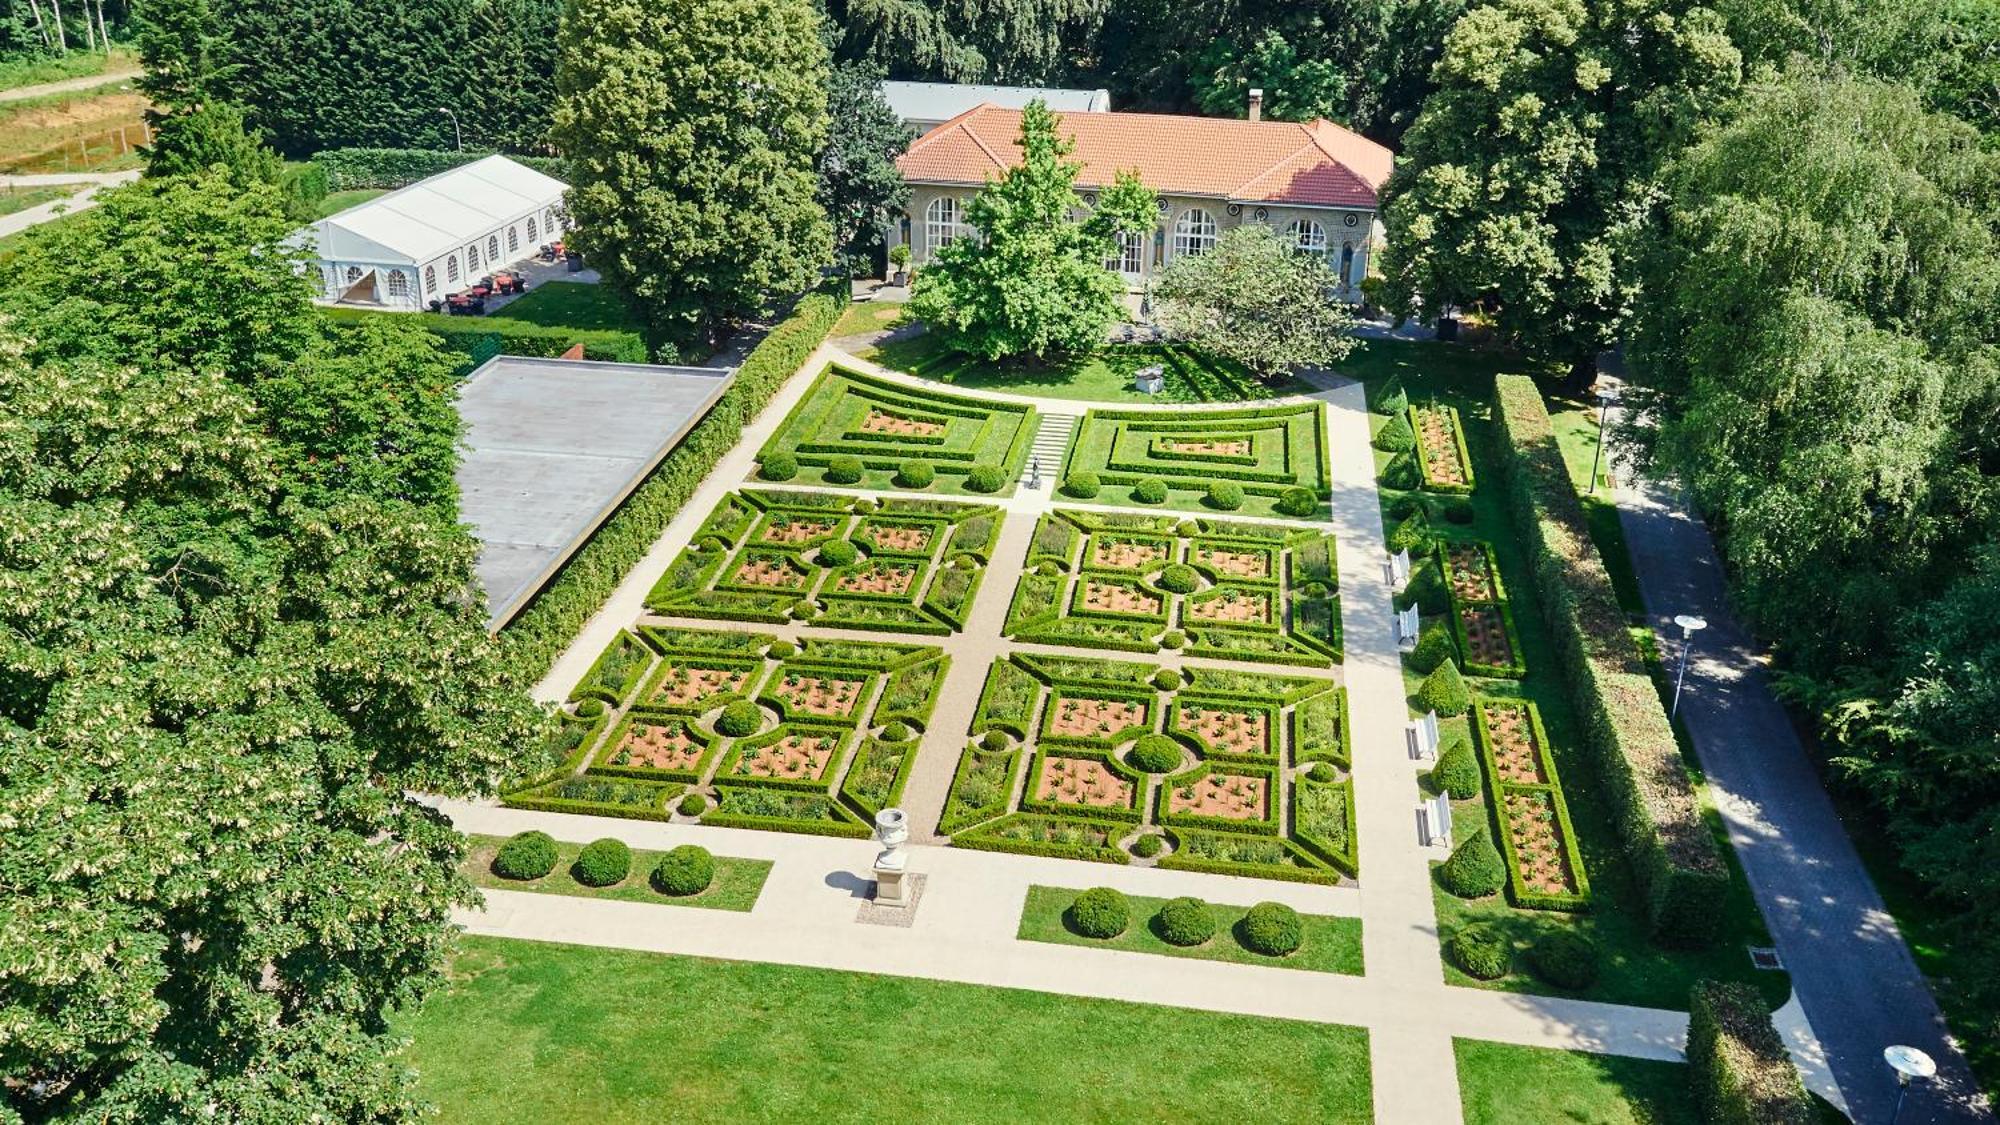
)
(1151, 490)
(1402, 472)
(1184, 922)
(529, 855)
(1100, 912)
(1392, 399)
(1412, 535)
(1457, 771)
(916, 474)
(1434, 647)
(1149, 845)
(865, 507)
(782, 650)
(1187, 529)
(1564, 959)
(1155, 753)
(1396, 436)
(1173, 638)
(1271, 928)
(839, 552)
(1322, 771)
(985, 478)
(1456, 509)
(1048, 569)
(1444, 691)
(1166, 679)
(1402, 507)
(739, 717)
(1474, 869)
(686, 870)
(1225, 495)
(590, 709)
(779, 466)
(1179, 578)
(694, 804)
(993, 741)
(602, 863)
(844, 470)
(897, 731)
(804, 610)
(1480, 952)
(1082, 485)
(1298, 502)
(714, 544)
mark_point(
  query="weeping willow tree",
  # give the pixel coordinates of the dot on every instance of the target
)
(1014, 41)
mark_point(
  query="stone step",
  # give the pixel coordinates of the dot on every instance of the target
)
(1050, 444)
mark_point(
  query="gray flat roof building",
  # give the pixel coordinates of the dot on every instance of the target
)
(927, 105)
(554, 447)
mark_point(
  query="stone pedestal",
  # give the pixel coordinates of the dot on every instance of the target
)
(892, 828)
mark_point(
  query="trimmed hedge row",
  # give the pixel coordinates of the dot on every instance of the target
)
(1675, 859)
(350, 168)
(548, 623)
(480, 338)
(1741, 1072)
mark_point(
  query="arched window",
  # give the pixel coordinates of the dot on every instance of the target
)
(451, 268)
(353, 274)
(1128, 258)
(555, 227)
(514, 239)
(399, 283)
(531, 229)
(943, 223)
(430, 279)
(1194, 232)
(493, 249)
(1307, 236)
(472, 258)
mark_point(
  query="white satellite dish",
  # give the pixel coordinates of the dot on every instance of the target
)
(1908, 1063)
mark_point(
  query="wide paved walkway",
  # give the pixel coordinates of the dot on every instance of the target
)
(1852, 972)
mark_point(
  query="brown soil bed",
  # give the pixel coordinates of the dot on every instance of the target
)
(1126, 555)
(1236, 564)
(820, 695)
(683, 686)
(776, 574)
(1237, 448)
(668, 747)
(791, 531)
(793, 756)
(906, 539)
(1082, 781)
(1226, 795)
(1092, 718)
(1230, 732)
(882, 578)
(1471, 579)
(1440, 447)
(1233, 608)
(882, 422)
(1538, 843)
(1514, 750)
(1487, 630)
(1107, 597)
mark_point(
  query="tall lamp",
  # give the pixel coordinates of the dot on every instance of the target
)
(1910, 1065)
(1690, 625)
(1606, 399)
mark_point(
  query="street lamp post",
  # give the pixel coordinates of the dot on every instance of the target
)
(1690, 625)
(457, 136)
(1605, 401)
(1910, 1065)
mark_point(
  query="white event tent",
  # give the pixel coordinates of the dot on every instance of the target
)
(413, 245)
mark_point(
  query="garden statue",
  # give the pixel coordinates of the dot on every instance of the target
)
(892, 830)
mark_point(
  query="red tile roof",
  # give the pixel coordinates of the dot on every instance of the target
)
(1315, 163)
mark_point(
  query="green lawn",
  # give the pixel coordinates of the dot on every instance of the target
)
(527, 1032)
(33, 70)
(20, 199)
(737, 884)
(338, 201)
(886, 426)
(573, 304)
(1634, 971)
(1500, 1084)
(866, 316)
(1332, 945)
(1101, 376)
(1263, 450)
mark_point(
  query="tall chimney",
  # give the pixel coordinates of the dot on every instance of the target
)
(1256, 104)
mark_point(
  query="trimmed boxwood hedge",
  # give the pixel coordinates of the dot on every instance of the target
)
(1271, 928)
(547, 624)
(1741, 1072)
(1184, 922)
(603, 863)
(1679, 868)
(1480, 952)
(1100, 912)
(778, 466)
(686, 870)
(528, 855)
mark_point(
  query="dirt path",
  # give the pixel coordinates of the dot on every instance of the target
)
(88, 82)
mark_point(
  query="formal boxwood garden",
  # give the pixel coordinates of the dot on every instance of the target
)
(1109, 760)
(1538, 843)
(812, 737)
(906, 565)
(1192, 928)
(851, 429)
(1259, 593)
(1207, 460)
(609, 869)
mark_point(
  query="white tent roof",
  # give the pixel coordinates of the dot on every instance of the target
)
(942, 101)
(432, 216)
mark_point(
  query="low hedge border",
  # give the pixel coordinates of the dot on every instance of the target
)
(1737, 1061)
(1314, 870)
(1346, 861)
(1184, 699)
(1267, 825)
(1130, 813)
(967, 760)
(1342, 755)
(1458, 443)
(1141, 725)
(985, 839)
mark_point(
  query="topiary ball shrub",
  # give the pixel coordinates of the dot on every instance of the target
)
(1184, 922)
(1271, 928)
(1166, 679)
(1299, 502)
(897, 731)
(1152, 490)
(686, 870)
(1082, 485)
(985, 478)
(844, 470)
(804, 610)
(1564, 959)
(694, 804)
(1225, 495)
(739, 717)
(916, 474)
(779, 466)
(782, 650)
(993, 741)
(1392, 399)
(1179, 578)
(864, 507)
(1322, 771)
(840, 552)
(602, 863)
(1444, 691)
(1474, 869)
(1155, 753)
(1173, 638)
(590, 709)
(1480, 953)
(1100, 912)
(1149, 845)
(1457, 771)
(1434, 647)
(1396, 437)
(529, 855)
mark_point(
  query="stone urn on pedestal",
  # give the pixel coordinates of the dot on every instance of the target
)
(892, 831)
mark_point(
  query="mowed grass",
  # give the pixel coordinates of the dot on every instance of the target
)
(573, 304)
(1500, 1084)
(1632, 970)
(338, 201)
(867, 316)
(737, 883)
(1105, 375)
(528, 1032)
(1332, 945)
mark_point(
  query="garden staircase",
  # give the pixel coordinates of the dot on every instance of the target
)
(1051, 445)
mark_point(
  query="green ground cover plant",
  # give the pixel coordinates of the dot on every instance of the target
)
(736, 884)
(1328, 944)
(1261, 451)
(882, 427)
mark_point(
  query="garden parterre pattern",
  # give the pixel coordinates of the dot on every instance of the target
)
(1265, 450)
(886, 427)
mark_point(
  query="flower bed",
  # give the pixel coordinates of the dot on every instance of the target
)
(1264, 450)
(1482, 618)
(1441, 453)
(1544, 870)
(885, 426)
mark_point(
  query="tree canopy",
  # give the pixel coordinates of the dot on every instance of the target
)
(1016, 42)
(860, 187)
(1257, 300)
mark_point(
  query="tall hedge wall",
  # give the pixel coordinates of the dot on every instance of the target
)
(1679, 867)
(539, 633)
(350, 168)
(1741, 1071)
(480, 338)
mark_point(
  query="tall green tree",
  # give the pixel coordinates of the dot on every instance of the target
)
(1032, 282)
(1296, 87)
(1021, 42)
(1528, 168)
(860, 187)
(1257, 300)
(231, 643)
(692, 129)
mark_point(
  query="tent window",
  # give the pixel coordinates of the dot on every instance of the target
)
(472, 257)
(513, 240)
(399, 283)
(353, 274)
(531, 228)
(430, 279)
(493, 249)
(451, 268)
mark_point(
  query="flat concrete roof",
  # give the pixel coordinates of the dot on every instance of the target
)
(554, 447)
